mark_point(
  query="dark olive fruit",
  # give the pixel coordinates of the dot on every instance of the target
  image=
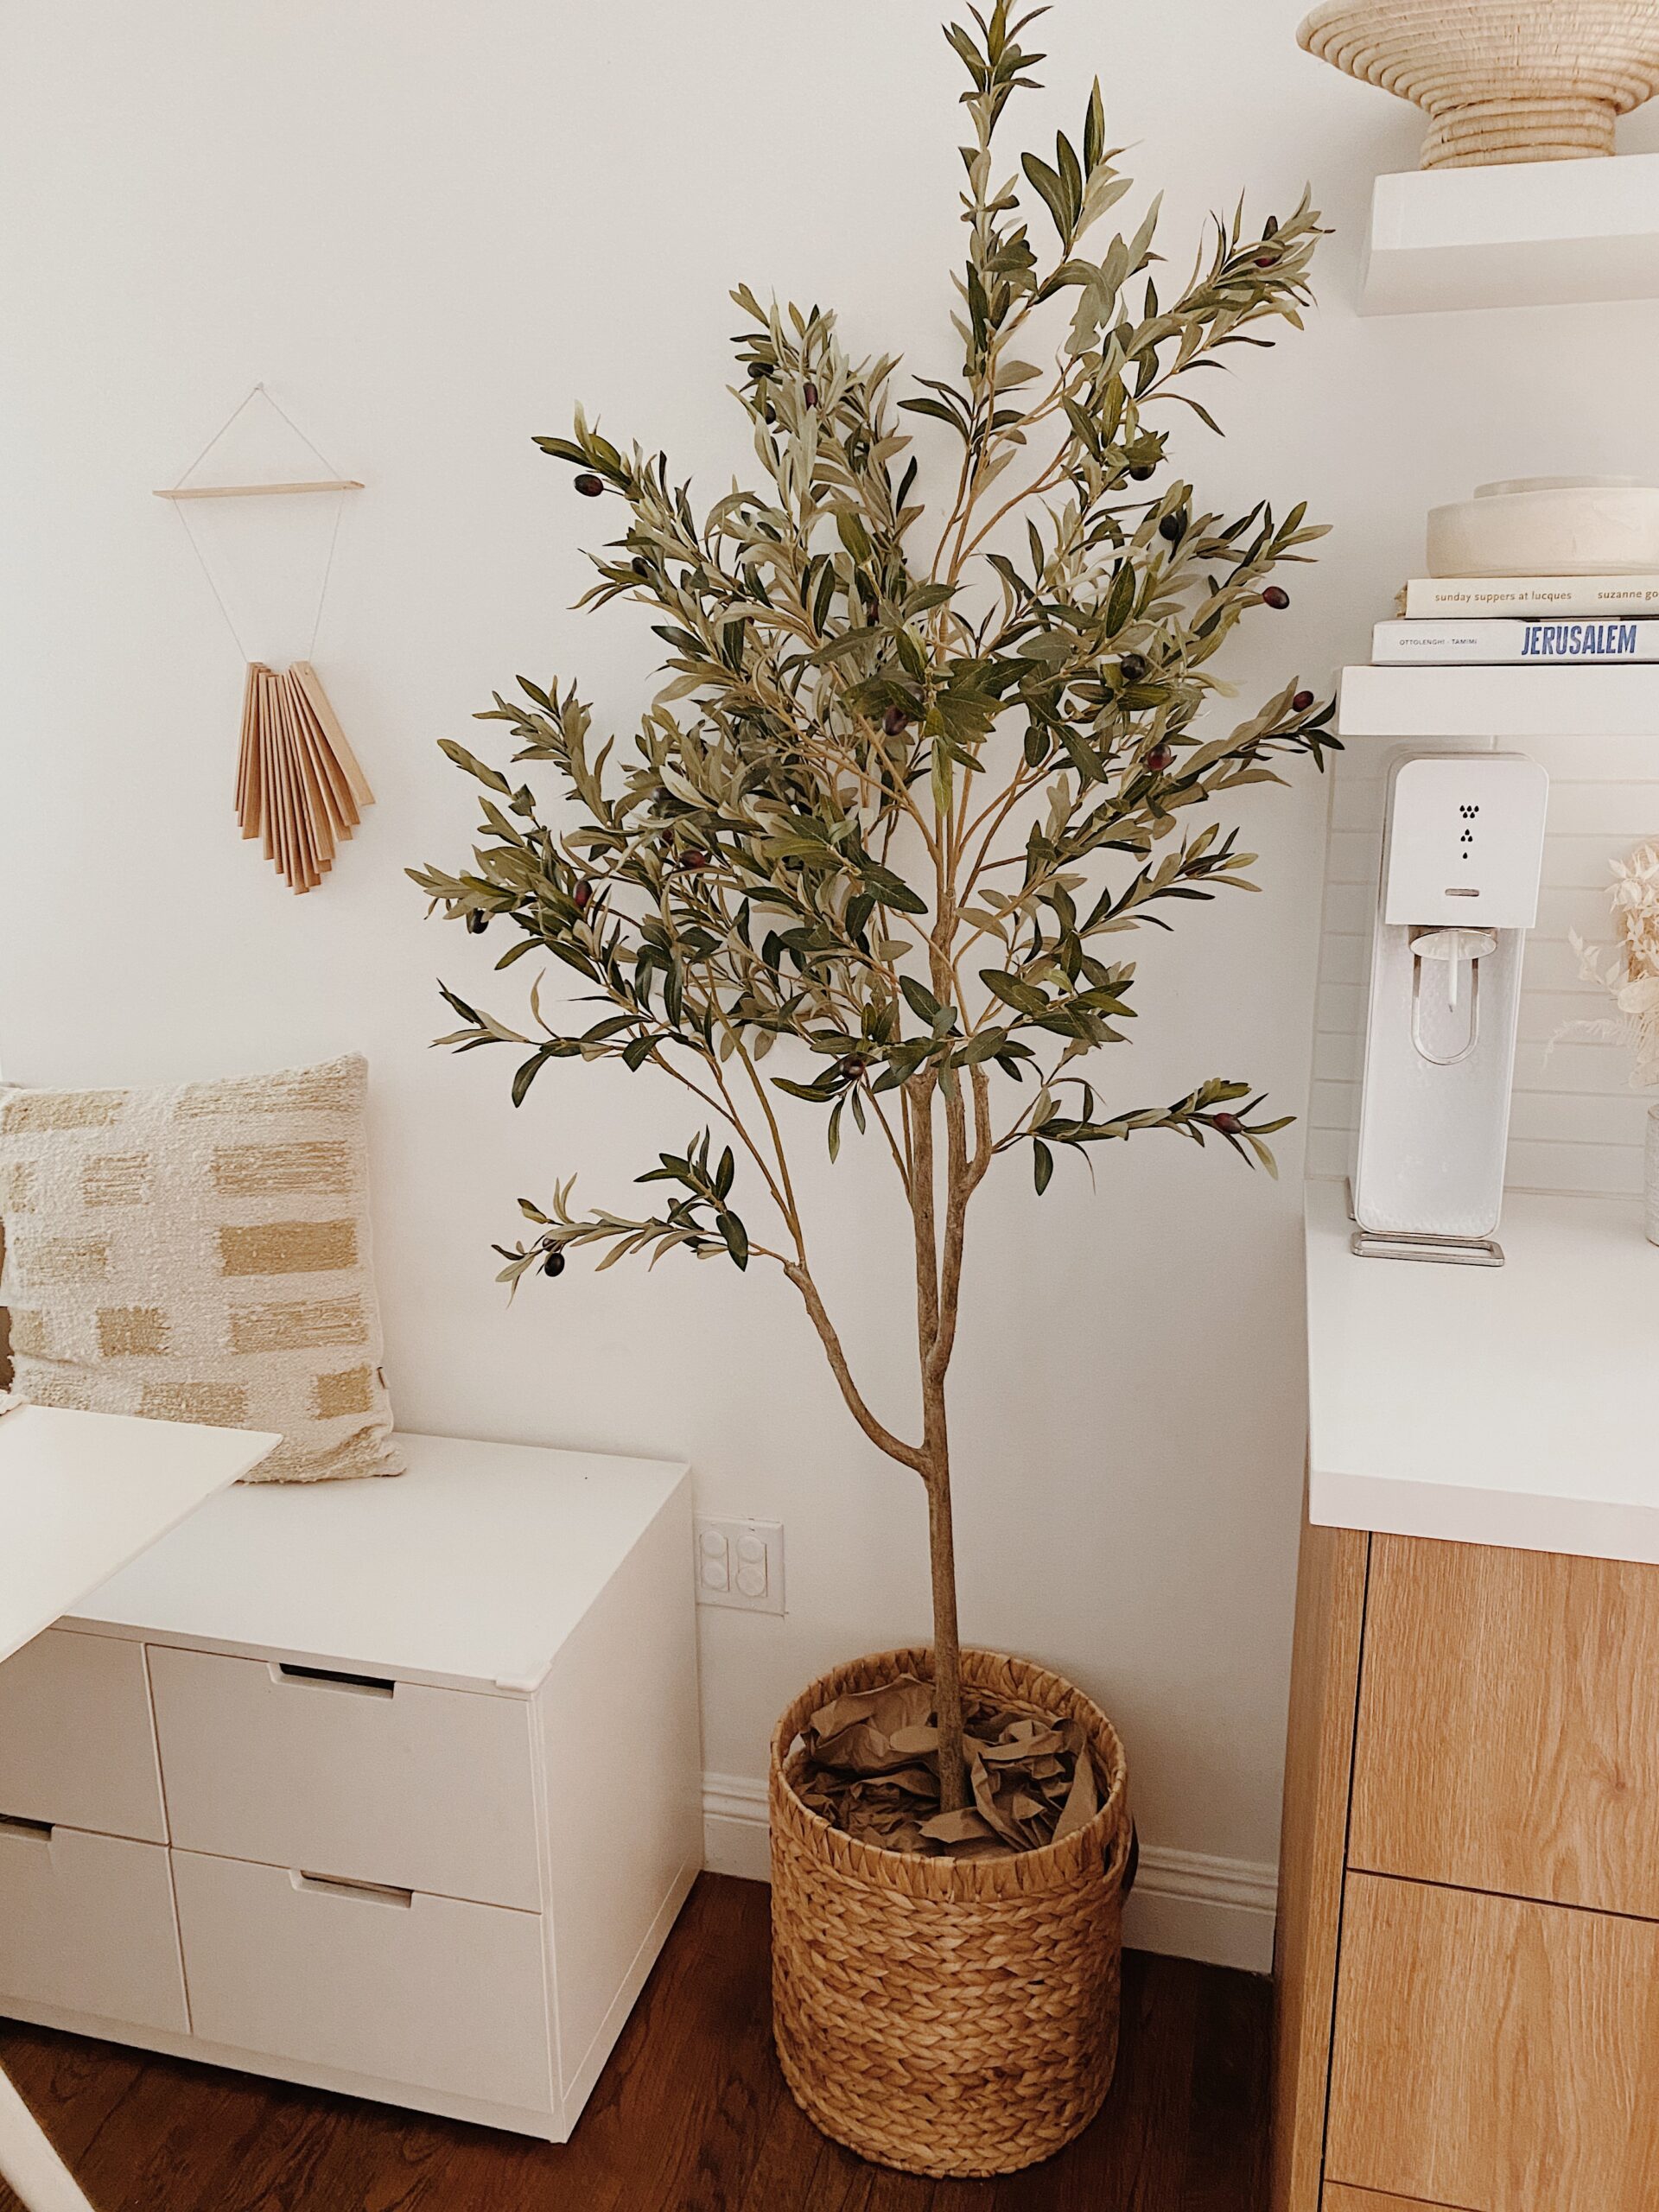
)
(894, 720)
(694, 856)
(1172, 527)
(477, 922)
(759, 371)
(809, 393)
(589, 485)
(1133, 667)
(580, 895)
(1276, 596)
(854, 1066)
(772, 414)
(1228, 1124)
(554, 1263)
(1266, 260)
(641, 568)
(1142, 473)
(1301, 703)
(1159, 758)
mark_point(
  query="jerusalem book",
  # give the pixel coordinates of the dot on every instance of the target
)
(1524, 643)
(1559, 596)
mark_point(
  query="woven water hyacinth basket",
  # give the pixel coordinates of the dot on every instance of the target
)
(1503, 80)
(943, 2016)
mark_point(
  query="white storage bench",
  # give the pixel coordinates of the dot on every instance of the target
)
(388, 1787)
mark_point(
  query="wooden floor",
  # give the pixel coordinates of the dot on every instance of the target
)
(690, 2115)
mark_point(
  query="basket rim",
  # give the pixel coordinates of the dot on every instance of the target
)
(1101, 1844)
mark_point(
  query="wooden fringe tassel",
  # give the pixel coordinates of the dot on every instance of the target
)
(298, 785)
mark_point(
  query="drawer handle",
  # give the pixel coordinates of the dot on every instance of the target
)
(331, 1886)
(29, 1831)
(330, 1678)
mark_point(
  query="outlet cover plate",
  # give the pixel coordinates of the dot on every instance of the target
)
(739, 1563)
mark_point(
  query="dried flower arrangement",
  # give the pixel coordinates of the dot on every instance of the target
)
(1628, 971)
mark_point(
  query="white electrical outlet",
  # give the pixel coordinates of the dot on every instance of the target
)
(740, 1563)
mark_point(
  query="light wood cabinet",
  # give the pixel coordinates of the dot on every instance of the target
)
(1338, 2199)
(1508, 1724)
(1490, 2050)
(1468, 1951)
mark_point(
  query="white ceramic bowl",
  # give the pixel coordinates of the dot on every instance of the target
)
(1549, 526)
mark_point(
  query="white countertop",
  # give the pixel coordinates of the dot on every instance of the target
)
(1516, 1406)
(472, 1568)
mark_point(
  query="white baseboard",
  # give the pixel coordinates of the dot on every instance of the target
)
(735, 1826)
(1185, 1904)
(1189, 1905)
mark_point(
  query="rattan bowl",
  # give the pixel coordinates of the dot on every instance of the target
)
(1503, 80)
(944, 2017)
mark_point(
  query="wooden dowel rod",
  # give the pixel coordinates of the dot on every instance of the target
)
(253, 491)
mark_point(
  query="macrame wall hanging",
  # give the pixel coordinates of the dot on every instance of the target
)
(299, 789)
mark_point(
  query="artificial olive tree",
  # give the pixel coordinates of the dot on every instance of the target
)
(914, 772)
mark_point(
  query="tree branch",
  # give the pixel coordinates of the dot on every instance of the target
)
(906, 1454)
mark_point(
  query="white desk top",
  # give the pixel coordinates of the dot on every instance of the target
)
(81, 1494)
(1516, 1406)
(472, 1568)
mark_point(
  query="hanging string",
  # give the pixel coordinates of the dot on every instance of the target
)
(201, 558)
(340, 514)
(297, 431)
(220, 432)
(328, 570)
(258, 390)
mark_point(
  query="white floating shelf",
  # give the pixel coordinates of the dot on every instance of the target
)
(1526, 234)
(1501, 702)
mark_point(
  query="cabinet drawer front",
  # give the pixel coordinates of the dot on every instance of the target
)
(86, 1922)
(76, 1742)
(418, 1991)
(1337, 2199)
(1508, 1724)
(424, 1788)
(1494, 2054)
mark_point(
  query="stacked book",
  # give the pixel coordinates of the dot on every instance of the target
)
(1531, 621)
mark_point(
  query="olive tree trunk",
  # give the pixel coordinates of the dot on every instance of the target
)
(947, 1639)
(937, 1284)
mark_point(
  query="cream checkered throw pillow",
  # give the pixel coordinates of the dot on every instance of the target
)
(201, 1254)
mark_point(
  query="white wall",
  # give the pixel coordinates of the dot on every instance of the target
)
(431, 227)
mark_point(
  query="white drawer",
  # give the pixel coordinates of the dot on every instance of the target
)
(76, 1744)
(419, 1991)
(87, 1923)
(428, 1788)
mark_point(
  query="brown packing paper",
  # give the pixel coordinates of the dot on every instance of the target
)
(868, 1762)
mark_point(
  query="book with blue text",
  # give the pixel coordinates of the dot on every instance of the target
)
(1512, 641)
